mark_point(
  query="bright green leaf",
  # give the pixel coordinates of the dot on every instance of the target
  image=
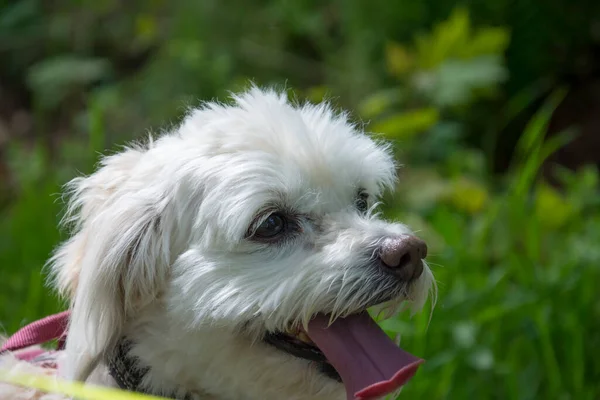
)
(406, 125)
(487, 41)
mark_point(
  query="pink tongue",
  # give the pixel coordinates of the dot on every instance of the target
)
(368, 361)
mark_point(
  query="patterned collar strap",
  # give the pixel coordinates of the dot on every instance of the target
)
(126, 370)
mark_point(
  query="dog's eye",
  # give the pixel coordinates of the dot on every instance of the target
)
(361, 202)
(271, 227)
(361, 205)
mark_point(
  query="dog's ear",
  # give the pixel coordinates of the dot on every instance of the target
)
(115, 260)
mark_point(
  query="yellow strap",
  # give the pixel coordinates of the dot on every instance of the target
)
(73, 389)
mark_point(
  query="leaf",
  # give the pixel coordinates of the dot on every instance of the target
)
(16, 14)
(535, 131)
(407, 124)
(66, 70)
(146, 27)
(455, 81)
(432, 188)
(398, 59)
(531, 151)
(551, 209)
(444, 41)
(52, 79)
(469, 196)
(487, 41)
(378, 103)
(454, 33)
(455, 39)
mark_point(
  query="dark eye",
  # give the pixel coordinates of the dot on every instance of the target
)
(271, 227)
(361, 202)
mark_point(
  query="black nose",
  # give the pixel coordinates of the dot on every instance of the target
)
(403, 256)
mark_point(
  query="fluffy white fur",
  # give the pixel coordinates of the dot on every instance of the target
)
(160, 249)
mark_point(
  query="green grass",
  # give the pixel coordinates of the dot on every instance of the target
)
(28, 232)
(518, 315)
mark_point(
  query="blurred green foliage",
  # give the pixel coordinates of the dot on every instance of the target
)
(517, 259)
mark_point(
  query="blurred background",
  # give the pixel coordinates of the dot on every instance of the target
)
(493, 106)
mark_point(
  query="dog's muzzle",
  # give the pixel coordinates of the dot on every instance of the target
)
(354, 349)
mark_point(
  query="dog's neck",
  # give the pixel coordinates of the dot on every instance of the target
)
(210, 362)
(128, 372)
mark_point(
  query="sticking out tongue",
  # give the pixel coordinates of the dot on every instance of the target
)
(368, 361)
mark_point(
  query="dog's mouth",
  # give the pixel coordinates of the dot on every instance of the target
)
(295, 341)
(353, 350)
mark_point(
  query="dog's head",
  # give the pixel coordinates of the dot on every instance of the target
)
(253, 217)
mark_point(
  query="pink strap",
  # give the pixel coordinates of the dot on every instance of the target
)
(38, 332)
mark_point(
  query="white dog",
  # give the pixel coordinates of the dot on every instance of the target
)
(234, 258)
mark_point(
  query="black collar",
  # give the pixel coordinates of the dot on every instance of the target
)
(126, 370)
